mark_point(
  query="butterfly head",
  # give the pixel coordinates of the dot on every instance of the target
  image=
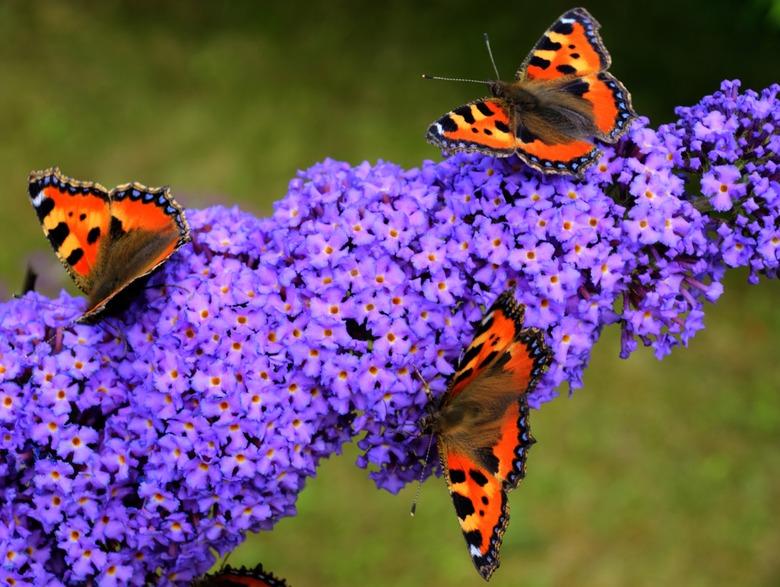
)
(428, 421)
(500, 89)
(519, 95)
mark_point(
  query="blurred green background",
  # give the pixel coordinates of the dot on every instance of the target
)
(654, 473)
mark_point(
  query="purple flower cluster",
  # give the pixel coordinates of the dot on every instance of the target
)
(735, 148)
(132, 448)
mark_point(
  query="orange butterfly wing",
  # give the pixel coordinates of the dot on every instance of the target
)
(106, 240)
(75, 217)
(611, 102)
(139, 207)
(151, 218)
(481, 506)
(571, 46)
(573, 157)
(243, 577)
(499, 367)
(500, 332)
(483, 125)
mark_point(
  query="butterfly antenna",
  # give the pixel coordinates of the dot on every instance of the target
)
(424, 382)
(456, 79)
(490, 52)
(413, 509)
(225, 561)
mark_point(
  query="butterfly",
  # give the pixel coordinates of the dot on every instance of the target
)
(107, 240)
(561, 100)
(243, 577)
(481, 425)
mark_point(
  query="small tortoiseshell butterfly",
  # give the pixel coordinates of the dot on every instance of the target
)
(562, 98)
(481, 425)
(243, 577)
(106, 240)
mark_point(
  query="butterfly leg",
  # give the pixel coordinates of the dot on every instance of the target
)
(426, 423)
(424, 382)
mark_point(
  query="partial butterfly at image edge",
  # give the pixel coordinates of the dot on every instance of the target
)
(566, 66)
(503, 353)
(107, 240)
(241, 577)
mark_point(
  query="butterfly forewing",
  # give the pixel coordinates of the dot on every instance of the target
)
(74, 217)
(481, 507)
(483, 125)
(571, 46)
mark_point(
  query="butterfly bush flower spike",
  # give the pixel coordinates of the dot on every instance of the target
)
(134, 449)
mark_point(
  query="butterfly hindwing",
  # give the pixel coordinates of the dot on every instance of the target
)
(571, 46)
(572, 157)
(483, 125)
(107, 240)
(611, 103)
(243, 577)
(482, 425)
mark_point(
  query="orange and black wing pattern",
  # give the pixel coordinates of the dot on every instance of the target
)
(243, 577)
(501, 341)
(564, 73)
(138, 207)
(484, 125)
(484, 453)
(106, 240)
(572, 47)
(75, 217)
(147, 227)
(479, 485)
(481, 507)
(571, 157)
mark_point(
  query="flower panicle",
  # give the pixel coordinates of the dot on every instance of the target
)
(128, 458)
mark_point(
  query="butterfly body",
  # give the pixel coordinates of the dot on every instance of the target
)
(481, 425)
(562, 99)
(107, 240)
